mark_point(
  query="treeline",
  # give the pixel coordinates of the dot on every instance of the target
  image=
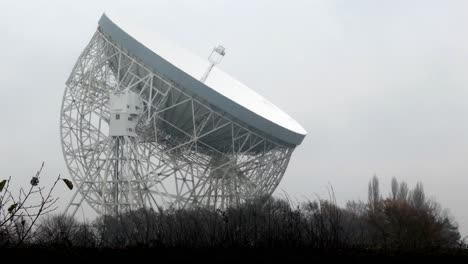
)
(404, 220)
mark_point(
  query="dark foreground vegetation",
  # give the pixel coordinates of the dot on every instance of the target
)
(404, 222)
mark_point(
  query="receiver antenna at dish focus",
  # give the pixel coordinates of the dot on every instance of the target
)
(215, 57)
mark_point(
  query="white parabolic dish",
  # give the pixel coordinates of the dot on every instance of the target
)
(220, 90)
(140, 130)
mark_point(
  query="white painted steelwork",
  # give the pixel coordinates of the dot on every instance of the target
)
(184, 150)
(215, 58)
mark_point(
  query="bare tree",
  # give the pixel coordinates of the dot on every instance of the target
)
(374, 193)
(19, 213)
(394, 188)
(418, 198)
(403, 192)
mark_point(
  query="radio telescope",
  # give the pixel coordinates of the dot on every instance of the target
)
(146, 124)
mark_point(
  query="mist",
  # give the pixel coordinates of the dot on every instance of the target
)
(380, 87)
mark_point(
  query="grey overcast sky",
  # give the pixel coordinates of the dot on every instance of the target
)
(380, 86)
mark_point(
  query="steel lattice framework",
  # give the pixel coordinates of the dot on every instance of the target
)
(185, 153)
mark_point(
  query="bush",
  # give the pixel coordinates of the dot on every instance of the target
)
(403, 221)
(19, 213)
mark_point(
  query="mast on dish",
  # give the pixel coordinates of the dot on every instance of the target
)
(215, 58)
